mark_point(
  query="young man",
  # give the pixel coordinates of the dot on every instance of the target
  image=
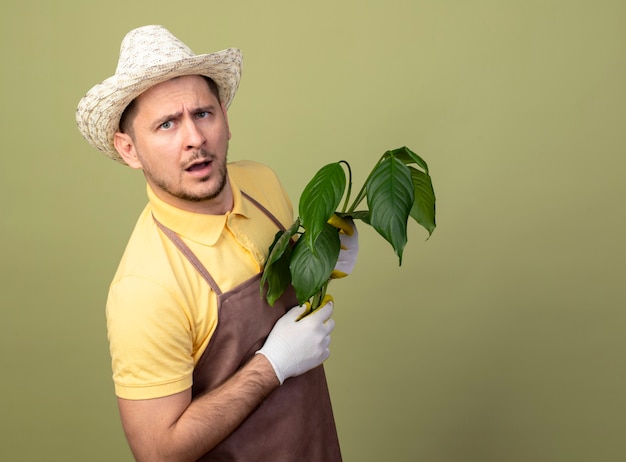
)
(203, 368)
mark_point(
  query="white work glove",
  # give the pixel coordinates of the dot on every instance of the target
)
(348, 253)
(295, 347)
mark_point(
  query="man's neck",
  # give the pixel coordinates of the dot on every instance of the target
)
(218, 205)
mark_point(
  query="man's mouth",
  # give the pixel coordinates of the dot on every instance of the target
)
(197, 166)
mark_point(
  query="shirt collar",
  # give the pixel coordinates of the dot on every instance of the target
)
(202, 228)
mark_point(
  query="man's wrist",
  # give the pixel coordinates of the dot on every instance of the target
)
(265, 369)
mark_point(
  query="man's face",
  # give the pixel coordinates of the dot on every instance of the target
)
(180, 140)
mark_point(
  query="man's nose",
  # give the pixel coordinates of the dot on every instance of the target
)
(194, 136)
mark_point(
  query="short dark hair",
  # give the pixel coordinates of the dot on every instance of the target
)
(126, 120)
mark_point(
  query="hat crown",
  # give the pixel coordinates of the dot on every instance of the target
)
(150, 46)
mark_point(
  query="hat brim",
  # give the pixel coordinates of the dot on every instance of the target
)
(99, 111)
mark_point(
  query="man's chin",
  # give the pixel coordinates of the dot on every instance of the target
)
(208, 195)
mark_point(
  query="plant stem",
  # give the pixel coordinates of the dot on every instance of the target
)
(363, 192)
(347, 199)
(318, 297)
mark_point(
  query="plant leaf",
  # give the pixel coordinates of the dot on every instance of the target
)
(311, 270)
(320, 199)
(282, 240)
(390, 199)
(423, 210)
(278, 277)
(363, 215)
(276, 272)
(407, 157)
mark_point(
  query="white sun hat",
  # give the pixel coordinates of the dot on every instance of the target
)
(149, 55)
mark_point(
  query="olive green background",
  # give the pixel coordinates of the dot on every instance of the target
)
(500, 339)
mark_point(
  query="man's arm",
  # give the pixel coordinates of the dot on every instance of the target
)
(177, 428)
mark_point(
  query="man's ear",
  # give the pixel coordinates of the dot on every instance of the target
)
(125, 146)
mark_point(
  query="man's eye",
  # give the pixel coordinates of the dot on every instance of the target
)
(203, 114)
(166, 125)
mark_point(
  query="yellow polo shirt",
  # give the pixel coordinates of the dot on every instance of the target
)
(160, 312)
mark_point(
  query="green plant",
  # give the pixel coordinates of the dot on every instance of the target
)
(305, 255)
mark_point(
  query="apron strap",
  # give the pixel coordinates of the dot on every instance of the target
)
(186, 251)
(264, 210)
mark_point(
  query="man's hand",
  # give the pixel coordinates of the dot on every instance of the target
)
(294, 347)
(349, 237)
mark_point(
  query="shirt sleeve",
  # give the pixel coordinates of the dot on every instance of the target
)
(150, 340)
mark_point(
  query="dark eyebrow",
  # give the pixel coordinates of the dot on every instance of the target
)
(208, 108)
(161, 120)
